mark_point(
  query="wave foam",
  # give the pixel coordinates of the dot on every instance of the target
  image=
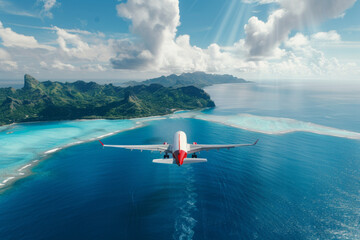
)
(8, 179)
(26, 166)
(185, 222)
(52, 150)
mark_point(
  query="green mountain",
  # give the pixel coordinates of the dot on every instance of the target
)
(197, 79)
(43, 101)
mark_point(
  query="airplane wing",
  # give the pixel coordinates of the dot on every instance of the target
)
(157, 147)
(193, 148)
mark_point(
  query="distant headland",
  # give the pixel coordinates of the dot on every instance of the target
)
(197, 79)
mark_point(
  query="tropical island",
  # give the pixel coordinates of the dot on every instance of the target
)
(49, 101)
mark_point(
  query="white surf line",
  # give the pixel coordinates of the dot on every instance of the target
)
(8, 179)
(28, 165)
(119, 131)
(106, 135)
(90, 140)
(68, 145)
(73, 143)
(52, 150)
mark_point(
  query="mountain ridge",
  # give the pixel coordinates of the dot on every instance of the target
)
(48, 100)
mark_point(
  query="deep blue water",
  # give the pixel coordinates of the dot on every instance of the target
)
(292, 186)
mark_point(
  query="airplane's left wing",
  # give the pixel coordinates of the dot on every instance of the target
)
(157, 147)
(193, 148)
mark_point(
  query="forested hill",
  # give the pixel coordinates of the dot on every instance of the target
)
(43, 101)
(197, 79)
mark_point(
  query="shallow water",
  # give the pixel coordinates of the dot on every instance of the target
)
(22, 144)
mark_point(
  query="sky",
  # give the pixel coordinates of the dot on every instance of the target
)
(118, 40)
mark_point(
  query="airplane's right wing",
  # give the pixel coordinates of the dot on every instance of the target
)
(193, 148)
(157, 147)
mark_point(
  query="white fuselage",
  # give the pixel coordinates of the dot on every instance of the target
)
(179, 147)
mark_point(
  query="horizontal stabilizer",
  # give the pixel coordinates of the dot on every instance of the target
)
(165, 160)
(194, 160)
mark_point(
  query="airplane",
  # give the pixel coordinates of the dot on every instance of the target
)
(179, 149)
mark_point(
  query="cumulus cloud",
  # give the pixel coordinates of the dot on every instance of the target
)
(155, 22)
(326, 36)
(12, 39)
(297, 41)
(266, 47)
(302, 60)
(62, 66)
(73, 46)
(157, 47)
(264, 38)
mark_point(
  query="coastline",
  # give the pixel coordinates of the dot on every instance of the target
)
(26, 170)
(290, 125)
(94, 119)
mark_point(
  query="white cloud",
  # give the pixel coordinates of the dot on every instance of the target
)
(10, 8)
(48, 5)
(158, 49)
(73, 46)
(154, 46)
(13, 39)
(297, 41)
(62, 66)
(264, 38)
(55, 28)
(155, 22)
(5, 61)
(303, 60)
(326, 36)
(94, 68)
(8, 65)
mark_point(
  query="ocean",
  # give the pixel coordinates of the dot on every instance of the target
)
(301, 181)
